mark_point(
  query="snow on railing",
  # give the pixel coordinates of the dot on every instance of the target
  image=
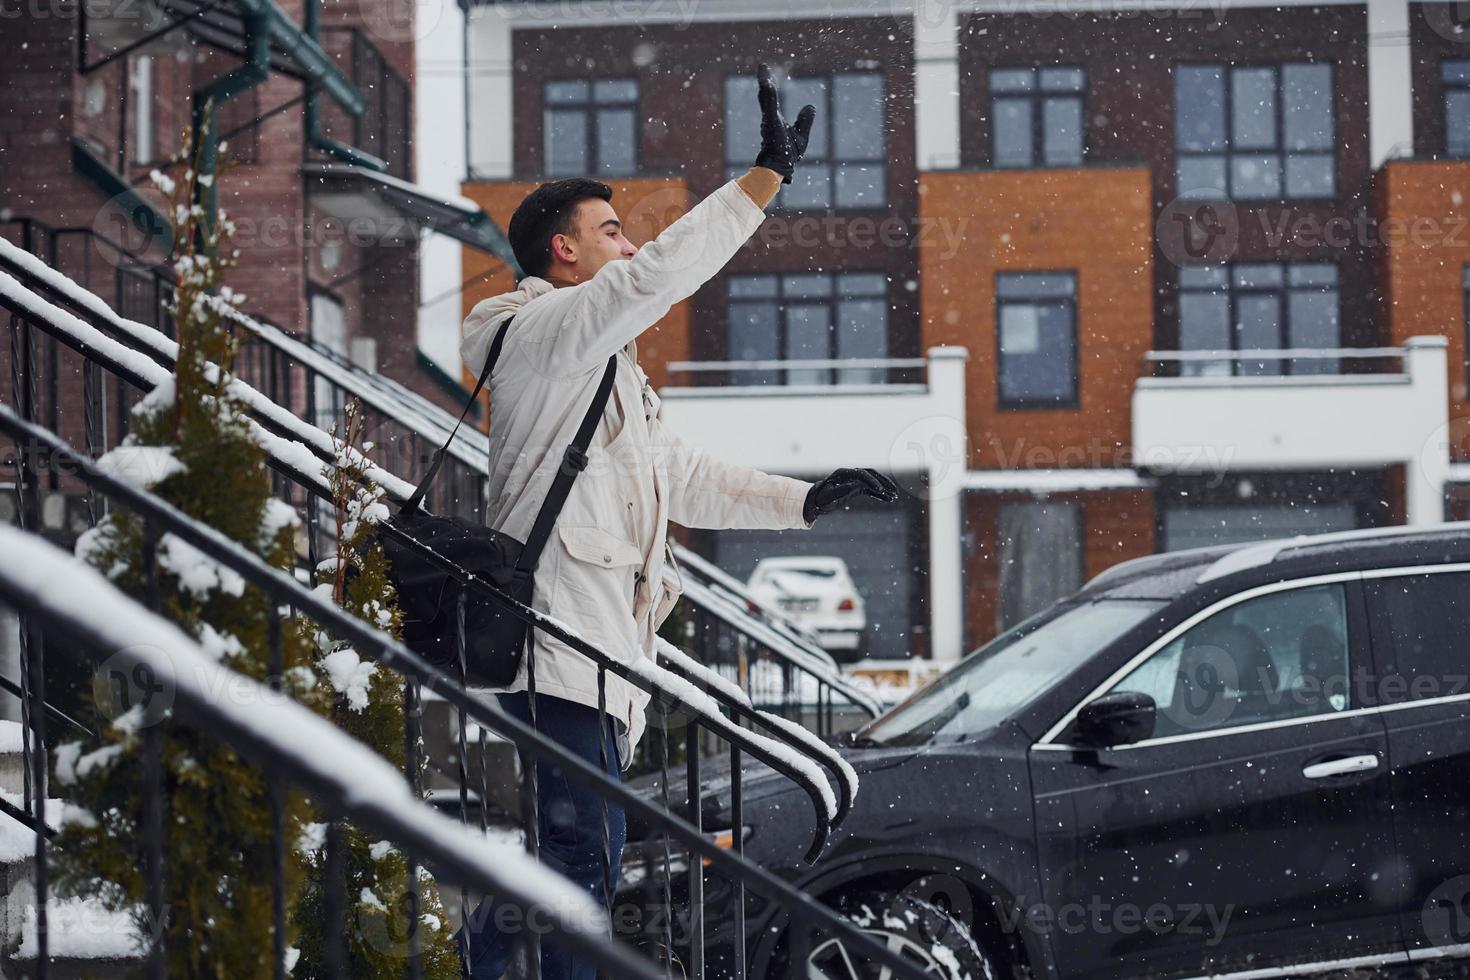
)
(698, 672)
(310, 470)
(147, 367)
(470, 446)
(299, 461)
(702, 674)
(78, 600)
(692, 671)
(165, 350)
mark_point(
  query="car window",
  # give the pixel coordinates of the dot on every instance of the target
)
(1426, 618)
(1277, 656)
(1004, 675)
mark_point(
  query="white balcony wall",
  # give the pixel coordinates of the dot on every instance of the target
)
(915, 432)
(1211, 425)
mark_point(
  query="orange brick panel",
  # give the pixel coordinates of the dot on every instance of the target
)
(646, 207)
(1095, 222)
(1424, 228)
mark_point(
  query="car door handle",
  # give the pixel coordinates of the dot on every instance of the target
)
(1341, 767)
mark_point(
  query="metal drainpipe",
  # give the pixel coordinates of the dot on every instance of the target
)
(311, 25)
(220, 91)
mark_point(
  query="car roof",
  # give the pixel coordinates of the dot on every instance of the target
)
(1173, 573)
(802, 561)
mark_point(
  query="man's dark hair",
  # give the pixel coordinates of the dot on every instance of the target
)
(550, 209)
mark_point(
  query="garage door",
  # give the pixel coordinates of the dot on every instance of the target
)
(875, 543)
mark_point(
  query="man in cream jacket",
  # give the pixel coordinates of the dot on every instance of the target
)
(587, 295)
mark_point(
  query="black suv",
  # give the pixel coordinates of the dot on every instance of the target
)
(1234, 762)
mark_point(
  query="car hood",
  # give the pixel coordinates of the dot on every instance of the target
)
(760, 784)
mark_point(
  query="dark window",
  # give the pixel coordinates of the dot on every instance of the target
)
(1259, 306)
(1426, 619)
(1036, 336)
(808, 316)
(1040, 556)
(1037, 116)
(1192, 524)
(1254, 131)
(844, 162)
(591, 127)
(1456, 78)
(1278, 656)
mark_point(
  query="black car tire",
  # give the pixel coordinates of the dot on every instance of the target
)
(913, 926)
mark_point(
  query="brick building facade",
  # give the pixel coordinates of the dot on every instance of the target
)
(1092, 198)
(93, 97)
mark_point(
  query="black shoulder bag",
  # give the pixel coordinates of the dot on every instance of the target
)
(428, 596)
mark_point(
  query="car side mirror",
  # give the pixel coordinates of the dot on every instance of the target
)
(1120, 718)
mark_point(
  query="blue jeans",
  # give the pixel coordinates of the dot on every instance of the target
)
(570, 822)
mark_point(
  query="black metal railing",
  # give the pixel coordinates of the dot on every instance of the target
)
(326, 764)
(756, 647)
(280, 428)
(295, 372)
(31, 313)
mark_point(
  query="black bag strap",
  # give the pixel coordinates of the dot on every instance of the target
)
(574, 457)
(412, 503)
(573, 461)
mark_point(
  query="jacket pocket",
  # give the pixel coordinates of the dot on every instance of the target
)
(598, 547)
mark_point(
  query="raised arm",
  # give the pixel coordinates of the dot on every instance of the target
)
(626, 297)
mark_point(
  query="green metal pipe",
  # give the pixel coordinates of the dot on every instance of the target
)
(255, 70)
(303, 49)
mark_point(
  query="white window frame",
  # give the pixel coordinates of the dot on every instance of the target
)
(1048, 742)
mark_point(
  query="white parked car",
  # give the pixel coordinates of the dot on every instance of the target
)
(818, 593)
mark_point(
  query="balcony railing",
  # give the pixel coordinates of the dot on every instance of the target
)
(1293, 363)
(1338, 408)
(802, 375)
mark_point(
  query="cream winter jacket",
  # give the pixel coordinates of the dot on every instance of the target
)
(602, 570)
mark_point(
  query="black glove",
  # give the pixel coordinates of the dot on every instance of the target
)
(781, 145)
(825, 495)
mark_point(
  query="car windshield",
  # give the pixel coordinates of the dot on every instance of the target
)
(1003, 676)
